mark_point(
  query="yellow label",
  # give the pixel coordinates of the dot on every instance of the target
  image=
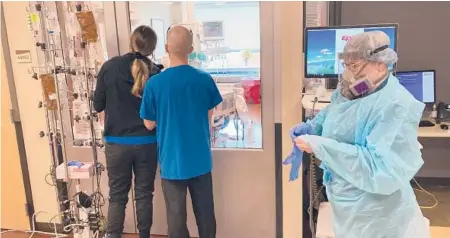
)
(34, 17)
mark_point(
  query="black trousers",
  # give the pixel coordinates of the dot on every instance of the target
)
(122, 161)
(201, 191)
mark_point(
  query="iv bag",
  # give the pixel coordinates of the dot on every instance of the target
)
(88, 26)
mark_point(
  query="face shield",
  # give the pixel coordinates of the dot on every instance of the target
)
(355, 73)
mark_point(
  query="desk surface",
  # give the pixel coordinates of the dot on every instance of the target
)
(434, 131)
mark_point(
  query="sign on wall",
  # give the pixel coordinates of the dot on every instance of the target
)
(23, 56)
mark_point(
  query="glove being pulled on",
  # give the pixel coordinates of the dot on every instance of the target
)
(296, 156)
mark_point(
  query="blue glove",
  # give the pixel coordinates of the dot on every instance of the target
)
(301, 129)
(75, 163)
(295, 158)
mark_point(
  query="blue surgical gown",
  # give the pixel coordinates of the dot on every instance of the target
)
(370, 152)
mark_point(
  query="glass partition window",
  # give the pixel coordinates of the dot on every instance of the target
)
(226, 45)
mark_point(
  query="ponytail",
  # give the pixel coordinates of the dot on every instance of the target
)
(142, 44)
(140, 72)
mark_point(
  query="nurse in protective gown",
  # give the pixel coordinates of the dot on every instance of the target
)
(366, 140)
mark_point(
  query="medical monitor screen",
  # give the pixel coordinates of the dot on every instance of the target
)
(421, 84)
(322, 45)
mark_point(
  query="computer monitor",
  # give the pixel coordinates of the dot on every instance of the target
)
(322, 45)
(421, 84)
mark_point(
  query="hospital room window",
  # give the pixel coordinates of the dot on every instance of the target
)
(226, 45)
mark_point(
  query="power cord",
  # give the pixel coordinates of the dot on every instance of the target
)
(313, 113)
(96, 202)
(62, 197)
(70, 227)
(33, 231)
(421, 189)
(313, 191)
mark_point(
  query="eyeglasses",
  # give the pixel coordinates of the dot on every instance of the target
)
(353, 66)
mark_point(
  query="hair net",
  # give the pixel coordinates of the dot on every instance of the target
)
(371, 46)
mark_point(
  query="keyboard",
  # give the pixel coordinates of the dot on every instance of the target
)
(426, 123)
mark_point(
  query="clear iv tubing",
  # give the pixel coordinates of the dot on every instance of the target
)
(60, 117)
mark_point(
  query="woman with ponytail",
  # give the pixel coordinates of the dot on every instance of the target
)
(129, 146)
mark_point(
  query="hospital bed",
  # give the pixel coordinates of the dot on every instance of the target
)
(228, 112)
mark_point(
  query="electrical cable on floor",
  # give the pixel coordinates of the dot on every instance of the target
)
(33, 230)
(421, 189)
(70, 227)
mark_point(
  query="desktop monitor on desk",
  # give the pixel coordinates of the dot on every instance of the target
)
(421, 84)
(322, 44)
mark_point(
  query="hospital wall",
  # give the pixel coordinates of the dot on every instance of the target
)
(423, 43)
(32, 117)
(246, 26)
(12, 192)
(287, 93)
